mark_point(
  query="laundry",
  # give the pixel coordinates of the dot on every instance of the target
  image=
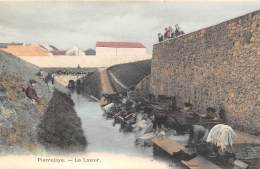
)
(108, 107)
(145, 140)
(222, 136)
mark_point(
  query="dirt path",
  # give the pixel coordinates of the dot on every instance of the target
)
(117, 80)
(105, 83)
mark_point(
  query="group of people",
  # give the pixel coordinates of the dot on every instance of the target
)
(208, 133)
(126, 110)
(170, 33)
(122, 108)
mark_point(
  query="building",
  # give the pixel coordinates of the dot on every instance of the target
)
(90, 52)
(58, 52)
(50, 48)
(26, 50)
(120, 49)
(75, 51)
(5, 45)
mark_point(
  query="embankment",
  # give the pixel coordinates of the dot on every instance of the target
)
(60, 128)
(121, 77)
(19, 117)
(125, 76)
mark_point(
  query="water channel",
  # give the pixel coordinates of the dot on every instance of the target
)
(116, 149)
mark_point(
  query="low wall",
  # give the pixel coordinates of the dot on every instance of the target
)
(83, 61)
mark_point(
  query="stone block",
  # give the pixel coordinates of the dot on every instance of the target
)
(238, 164)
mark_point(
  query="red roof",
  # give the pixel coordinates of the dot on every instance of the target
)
(58, 52)
(120, 44)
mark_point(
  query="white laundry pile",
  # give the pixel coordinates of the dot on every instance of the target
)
(145, 139)
(143, 131)
(108, 107)
(222, 136)
(142, 127)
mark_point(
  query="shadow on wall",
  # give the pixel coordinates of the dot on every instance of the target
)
(129, 74)
(91, 85)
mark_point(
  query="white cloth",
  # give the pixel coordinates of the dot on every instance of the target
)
(143, 127)
(221, 135)
(124, 100)
(145, 139)
(108, 107)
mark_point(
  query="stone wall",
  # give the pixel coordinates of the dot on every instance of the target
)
(218, 66)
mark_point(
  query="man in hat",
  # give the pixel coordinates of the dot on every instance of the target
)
(187, 110)
(31, 92)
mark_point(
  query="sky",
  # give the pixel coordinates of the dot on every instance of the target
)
(68, 24)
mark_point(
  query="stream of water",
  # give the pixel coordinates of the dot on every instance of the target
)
(103, 139)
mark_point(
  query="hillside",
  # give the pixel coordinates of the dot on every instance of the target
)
(19, 116)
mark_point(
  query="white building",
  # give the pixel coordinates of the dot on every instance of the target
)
(120, 49)
(75, 52)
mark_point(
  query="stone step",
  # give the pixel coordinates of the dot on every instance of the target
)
(238, 164)
(168, 145)
(200, 162)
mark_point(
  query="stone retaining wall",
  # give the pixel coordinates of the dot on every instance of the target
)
(218, 66)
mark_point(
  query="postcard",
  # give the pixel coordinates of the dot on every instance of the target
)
(129, 84)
